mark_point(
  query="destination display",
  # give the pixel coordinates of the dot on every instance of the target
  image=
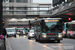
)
(51, 20)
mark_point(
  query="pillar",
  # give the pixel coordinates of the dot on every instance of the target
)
(1, 26)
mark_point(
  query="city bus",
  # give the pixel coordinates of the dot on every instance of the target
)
(71, 29)
(65, 30)
(48, 29)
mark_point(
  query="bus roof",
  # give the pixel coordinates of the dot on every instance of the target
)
(73, 21)
(70, 22)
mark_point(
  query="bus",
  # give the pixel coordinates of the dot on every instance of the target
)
(70, 29)
(65, 30)
(48, 29)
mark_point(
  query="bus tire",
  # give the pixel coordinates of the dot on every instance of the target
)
(15, 36)
(40, 40)
(69, 36)
(29, 38)
(58, 41)
(36, 39)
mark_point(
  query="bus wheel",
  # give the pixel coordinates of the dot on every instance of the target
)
(69, 36)
(36, 39)
(28, 38)
(15, 36)
(58, 41)
(40, 40)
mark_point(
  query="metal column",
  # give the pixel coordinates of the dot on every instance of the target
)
(1, 25)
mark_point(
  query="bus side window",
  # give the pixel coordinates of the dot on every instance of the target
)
(69, 27)
(39, 28)
(35, 28)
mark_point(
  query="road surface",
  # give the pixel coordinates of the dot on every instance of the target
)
(22, 43)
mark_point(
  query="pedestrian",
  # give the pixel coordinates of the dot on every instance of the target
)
(4, 33)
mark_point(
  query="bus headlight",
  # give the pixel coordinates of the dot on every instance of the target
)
(44, 35)
(59, 35)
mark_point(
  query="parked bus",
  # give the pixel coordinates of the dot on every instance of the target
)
(48, 29)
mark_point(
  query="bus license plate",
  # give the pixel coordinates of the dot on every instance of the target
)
(52, 39)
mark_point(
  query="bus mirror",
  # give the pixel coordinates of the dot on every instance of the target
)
(42, 23)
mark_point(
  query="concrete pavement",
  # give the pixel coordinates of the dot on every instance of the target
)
(22, 43)
(2, 47)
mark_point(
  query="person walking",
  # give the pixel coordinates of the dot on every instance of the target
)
(4, 33)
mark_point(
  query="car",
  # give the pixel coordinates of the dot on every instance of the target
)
(31, 34)
(11, 32)
(26, 31)
(20, 31)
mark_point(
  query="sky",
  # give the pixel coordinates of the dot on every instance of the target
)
(42, 1)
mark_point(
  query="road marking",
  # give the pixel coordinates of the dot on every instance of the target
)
(69, 44)
(9, 46)
(42, 45)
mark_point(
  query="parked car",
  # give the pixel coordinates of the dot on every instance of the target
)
(20, 31)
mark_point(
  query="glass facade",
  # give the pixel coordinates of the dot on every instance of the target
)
(11, 0)
(22, 8)
(3, 0)
(22, 1)
(11, 8)
(15, 10)
(21, 12)
(4, 7)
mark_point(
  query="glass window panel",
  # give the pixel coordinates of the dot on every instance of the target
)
(22, 1)
(11, 0)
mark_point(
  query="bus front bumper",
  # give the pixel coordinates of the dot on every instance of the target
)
(51, 38)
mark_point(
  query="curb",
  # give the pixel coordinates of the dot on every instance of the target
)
(8, 46)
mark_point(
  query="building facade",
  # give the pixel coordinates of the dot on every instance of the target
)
(15, 6)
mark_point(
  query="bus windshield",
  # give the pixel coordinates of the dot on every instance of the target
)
(52, 27)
